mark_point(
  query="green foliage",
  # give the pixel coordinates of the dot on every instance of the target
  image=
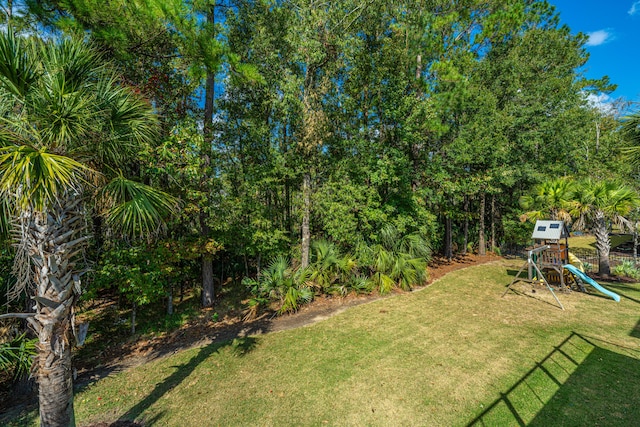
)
(45, 175)
(631, 131)
(16, 355)
(550, 200)
(594, 200)
(331, 271)
(627, 269)
(516, 232)
(140, 273)
(6, 277)
(398, 260)
(144, 272)
(401, 118)
(280, 281)
(136, 207)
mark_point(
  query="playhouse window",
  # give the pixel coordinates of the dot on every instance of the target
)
(542, 228)
(553, 226)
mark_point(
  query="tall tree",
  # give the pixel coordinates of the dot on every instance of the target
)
(66, 118)
(598, 203)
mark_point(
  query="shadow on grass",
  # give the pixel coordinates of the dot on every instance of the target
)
(635, 332)
(620, 289)
(512, 272)
(583, 381)
(240, 346)
(165, 347)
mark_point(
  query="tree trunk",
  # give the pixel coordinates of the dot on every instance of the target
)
(597, 137)
(170, 300)
(482, 245)
(448, 238)
(635, 244)
(52, 244)
(258, 264)
(306, 233)
(493, 222)
(134, 309)
(466, 225)
(55, 384)
(208, 296)
(603, 243)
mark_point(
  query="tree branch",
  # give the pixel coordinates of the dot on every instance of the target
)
(17, 315)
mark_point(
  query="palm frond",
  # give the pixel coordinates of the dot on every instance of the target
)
(631, 129)
(548, 200)
(63, 117)
(18, 69)
(415, 245)
(35, 177)
(614, 200)
(137, 209)
(384, 283)
(5, 217)
(128, 123)
(74, 65)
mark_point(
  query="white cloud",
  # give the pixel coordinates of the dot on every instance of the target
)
(602, 102)
(599, 37)
(635, 8)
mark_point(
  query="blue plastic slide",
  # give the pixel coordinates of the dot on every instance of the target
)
(590, 281)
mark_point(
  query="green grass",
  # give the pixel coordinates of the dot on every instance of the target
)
(589, 242)
(453, 353)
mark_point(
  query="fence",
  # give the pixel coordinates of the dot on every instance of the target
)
(586, 255)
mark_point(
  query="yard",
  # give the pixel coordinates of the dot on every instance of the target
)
(452, 354)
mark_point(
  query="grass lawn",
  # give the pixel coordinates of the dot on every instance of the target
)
(589, 242)
(453, 354)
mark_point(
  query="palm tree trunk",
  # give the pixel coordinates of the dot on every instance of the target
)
(55, 386)
(50, 238)
(603, 244)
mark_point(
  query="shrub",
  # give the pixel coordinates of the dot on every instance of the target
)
(280, 281)
(16, 355)
(398, 260)
(331, 272)
(627, 269)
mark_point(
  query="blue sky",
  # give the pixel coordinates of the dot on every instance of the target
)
(613, 27)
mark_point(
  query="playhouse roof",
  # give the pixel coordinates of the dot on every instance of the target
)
(550, 230)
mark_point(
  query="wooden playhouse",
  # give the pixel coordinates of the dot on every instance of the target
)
(554, 235)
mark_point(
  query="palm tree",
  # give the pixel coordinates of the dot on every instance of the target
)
(68, 132)
(549, 200)
(595, 204)
(631, 129)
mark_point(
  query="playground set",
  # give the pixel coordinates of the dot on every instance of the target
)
(550, 262)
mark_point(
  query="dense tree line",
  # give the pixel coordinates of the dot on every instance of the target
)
(315, 147)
